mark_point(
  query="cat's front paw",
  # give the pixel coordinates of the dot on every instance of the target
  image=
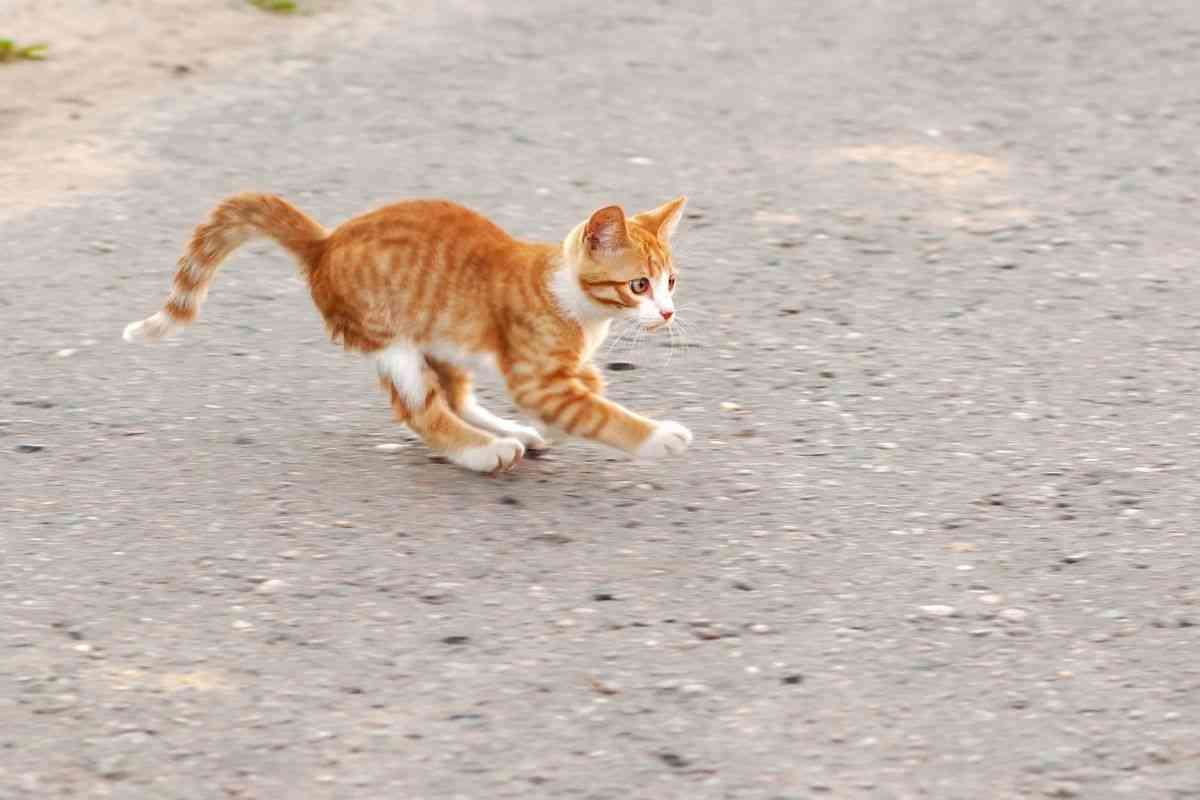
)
(667, 439)
(498, 455)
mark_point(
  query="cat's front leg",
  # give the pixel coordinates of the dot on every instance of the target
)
(564, 400)
(590, 375)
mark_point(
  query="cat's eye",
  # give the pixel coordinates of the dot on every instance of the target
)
(671, 283)
(639, 285)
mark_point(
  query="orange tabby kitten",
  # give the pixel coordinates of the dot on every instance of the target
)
(431, 291)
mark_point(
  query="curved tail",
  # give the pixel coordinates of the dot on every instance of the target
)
(234, 221)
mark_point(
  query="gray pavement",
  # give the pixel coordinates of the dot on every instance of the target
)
(936, 537)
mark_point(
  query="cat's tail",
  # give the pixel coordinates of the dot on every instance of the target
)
(234, 221)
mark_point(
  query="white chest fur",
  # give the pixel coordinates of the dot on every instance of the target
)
(594, 335)
(472, 362)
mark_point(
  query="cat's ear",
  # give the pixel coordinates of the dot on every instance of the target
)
(605, 231)
(663, 220)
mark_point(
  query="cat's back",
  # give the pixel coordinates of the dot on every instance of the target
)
(421, 270)
(420, 220)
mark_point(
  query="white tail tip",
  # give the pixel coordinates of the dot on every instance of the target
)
(150, 329)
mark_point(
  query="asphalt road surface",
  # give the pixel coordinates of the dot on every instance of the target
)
(936, 537)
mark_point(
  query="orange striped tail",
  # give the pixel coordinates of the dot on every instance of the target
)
(234, 221)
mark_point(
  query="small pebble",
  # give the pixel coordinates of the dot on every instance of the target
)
(605, 687)
(1064, 789)
(343, 523)
(693, 688)
(727, 406)
(271, 586)
(1013, 615)
(1075, 558)
(30, 448)
(760, 628)
(990, 599)
(66, 352)
(1158, 755)
(242, 625)
(389, 447)
(939, 611)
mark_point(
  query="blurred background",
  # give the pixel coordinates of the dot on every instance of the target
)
(935, 538)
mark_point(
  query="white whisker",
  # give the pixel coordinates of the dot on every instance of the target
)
(613, 343)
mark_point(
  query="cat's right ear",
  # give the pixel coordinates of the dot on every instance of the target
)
(605, 231)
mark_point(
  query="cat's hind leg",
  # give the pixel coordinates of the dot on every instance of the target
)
(419, 399)
(457, 385)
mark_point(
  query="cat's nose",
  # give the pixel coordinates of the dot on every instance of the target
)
(667, 314)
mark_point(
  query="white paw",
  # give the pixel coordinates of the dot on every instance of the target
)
(497, 456)
(529, 437)
(150, 329)
(668, 439)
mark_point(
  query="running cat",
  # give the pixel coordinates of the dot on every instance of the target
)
(432, 291)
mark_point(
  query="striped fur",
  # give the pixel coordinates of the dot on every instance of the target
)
(431, 290)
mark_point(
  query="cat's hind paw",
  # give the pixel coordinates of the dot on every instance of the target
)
(499, 455)
(667, 439)
(529, 437)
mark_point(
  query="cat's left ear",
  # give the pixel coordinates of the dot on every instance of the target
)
(663, 220)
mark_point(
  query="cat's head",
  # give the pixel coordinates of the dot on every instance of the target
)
(624, 264)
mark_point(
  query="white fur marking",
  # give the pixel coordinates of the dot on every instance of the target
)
(592, 317)
(404, 366)
(668, 439)
(499, 454)
(456, 356)
(649, 310)
(564, 285)
(480, 417)
(594, 335)
(151, 328)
